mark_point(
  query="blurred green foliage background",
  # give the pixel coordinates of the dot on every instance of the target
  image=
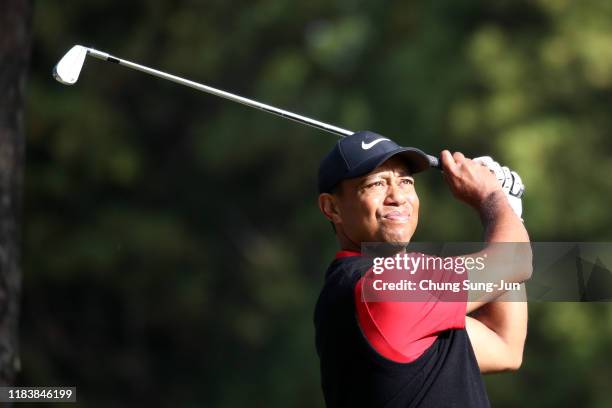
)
(173, 248)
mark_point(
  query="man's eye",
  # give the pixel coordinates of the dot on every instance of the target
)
(408, 181)
(375, 184)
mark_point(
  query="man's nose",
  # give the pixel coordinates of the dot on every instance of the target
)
(395, 196)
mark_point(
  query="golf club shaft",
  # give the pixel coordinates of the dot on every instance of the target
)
(236, 98)
(218, 92)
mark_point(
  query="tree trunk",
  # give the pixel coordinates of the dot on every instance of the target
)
(15, 35)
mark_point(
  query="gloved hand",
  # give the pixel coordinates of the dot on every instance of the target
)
(511, 182)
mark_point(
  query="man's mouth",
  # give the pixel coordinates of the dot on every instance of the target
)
(396, 216)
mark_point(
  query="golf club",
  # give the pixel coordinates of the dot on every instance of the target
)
(69, 67)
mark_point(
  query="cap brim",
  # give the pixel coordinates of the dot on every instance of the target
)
(415, 159)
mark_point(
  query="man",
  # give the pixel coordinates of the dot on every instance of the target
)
(409, 354)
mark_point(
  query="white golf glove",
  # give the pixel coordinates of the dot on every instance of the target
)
(511, 182)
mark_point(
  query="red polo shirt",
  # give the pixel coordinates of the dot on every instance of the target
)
(402, 331)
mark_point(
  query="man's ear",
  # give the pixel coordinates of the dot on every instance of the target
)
(328, 204)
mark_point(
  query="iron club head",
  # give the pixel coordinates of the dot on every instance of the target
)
(69, 67)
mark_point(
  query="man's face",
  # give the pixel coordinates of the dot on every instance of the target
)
(381, 206)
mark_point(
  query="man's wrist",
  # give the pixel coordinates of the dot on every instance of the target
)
(494, 205)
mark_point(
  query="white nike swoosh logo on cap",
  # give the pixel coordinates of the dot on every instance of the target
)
(366, 146)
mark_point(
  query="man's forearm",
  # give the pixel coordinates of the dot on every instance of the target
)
(508, 253)
(507, 315)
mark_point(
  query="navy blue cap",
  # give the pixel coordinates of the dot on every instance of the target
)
(362, 152)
